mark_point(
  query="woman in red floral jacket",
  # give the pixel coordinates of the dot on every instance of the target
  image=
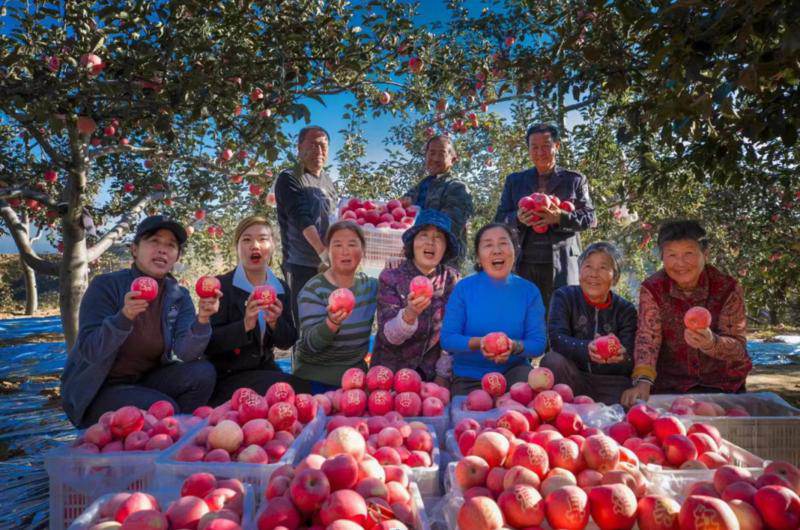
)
(668, 357)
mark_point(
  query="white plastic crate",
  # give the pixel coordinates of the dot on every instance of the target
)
(77, 479)
(91, 515)
(427, 478)
(674, 482)
(593, 414)
(171, 471)
(772, 431)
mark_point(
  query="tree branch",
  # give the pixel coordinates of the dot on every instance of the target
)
(27, 193)
(122, 227)
(21, 237)
(33, 130)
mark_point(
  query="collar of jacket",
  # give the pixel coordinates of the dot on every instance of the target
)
(552, 183)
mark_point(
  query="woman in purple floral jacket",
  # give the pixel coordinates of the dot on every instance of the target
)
(409, 326)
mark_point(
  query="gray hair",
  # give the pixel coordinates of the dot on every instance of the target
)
(609, 250)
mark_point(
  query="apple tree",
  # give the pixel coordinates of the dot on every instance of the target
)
(116, 109)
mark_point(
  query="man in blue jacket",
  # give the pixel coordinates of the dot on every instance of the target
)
(134, 352)
(549, 259)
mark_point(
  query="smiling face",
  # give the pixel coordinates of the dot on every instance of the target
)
(597, 276)
(684, 261)
(313, 151)
(496, 253)
(156, 254)
(542, 149)
(429, 246)
(345, 251)
(440, 156)
(254, 248)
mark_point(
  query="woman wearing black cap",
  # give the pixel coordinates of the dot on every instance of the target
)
(131, 351)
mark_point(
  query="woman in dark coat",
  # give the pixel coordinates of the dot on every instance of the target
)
(245, 331)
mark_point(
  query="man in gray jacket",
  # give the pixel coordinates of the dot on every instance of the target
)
(443, 192)
(305, 198)
(131, 351)
(549, 259)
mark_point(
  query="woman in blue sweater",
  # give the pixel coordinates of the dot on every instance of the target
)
(493, 299)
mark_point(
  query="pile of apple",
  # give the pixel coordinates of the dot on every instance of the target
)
(205, 504)
(664, 440)
(375, 214)
(251, 428)
(342, 488)
(381, 391)
(133, 429)
(390, 439)
(538, 393)
(540, 201)
(734, 495)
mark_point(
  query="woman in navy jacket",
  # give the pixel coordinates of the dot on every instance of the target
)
(579, 314)
(246, 331)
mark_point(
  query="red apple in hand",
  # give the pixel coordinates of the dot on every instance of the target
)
(496, 343)
(697, 318)
(567, 206)
(147, 287)
(207, 286)
(342, 299)
(265, 294)
(607, 346)
(421, 286)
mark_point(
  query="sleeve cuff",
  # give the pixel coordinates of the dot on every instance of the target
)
(647, 372)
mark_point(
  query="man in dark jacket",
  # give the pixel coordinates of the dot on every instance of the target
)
(579, 314)
(134, 352)
(305, 198)
(550, 259)
(441, 191)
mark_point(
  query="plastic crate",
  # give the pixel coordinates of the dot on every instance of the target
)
(673, 482)
(593, 414)
(77, 479)
(171, 471)
(772, 431)
(90, 515)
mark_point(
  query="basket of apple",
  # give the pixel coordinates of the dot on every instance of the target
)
(342, 488)
(380, 391)
(202, 502)
(117, 453)
(393, 441)
(249, 435)
(539, 393)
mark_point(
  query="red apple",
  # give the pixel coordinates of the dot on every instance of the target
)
(207, 286)
(613, 506)
(697, 318)
(147, 288)
(567, 508)
(421, 286)
(657, 512)
(701, 513)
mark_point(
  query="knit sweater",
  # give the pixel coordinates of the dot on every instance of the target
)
(480, 305)
(322, 355)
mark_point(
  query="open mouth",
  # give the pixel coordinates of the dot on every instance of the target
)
(498, 263)
(255, 257)
(430, 254)
(161, 262)
(345, 261)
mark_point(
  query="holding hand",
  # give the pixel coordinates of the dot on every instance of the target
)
(208, 306)
(273, 312)
(495, 350)
(702, 339)
(596, 358)
(415, 306)
(550, 215)
(640, 392)
(134, 306)
(335, 318)
(525, 216)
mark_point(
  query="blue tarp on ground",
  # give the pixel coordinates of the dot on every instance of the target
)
(31, 423)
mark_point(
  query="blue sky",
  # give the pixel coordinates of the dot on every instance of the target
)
(329, 115)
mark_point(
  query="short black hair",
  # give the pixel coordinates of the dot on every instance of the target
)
(449, 251)
(439, 137)
(305, 130)
(150, 233)
(345, 224)
(512, 234)
(682, 230)
(538, 128)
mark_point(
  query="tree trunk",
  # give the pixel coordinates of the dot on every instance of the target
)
(31, 296)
